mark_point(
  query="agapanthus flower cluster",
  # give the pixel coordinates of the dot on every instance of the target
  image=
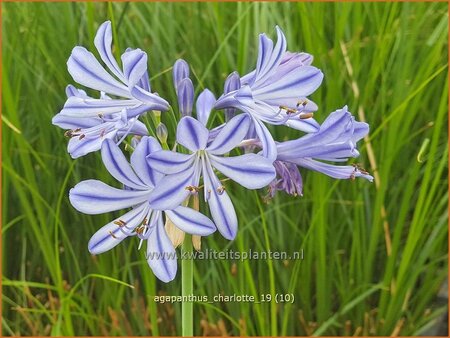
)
(159, 188)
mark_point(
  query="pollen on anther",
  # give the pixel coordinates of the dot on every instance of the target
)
(192, 189)
(220, 189)
(306, 116)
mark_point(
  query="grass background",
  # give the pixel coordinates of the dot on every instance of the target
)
(375, 254)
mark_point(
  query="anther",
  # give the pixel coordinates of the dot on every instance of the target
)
(191, 188)
(288, 110)
(120, 223)
(220, 189)
(302, 102)
(68, 133)
(82, 136)
(306, 116)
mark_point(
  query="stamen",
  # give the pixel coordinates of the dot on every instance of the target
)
(140, 230)
(220, 189)
(288, 110)
(120, 223)
(82, 136)
(306, 116)
(68, 133)
(192, 189)
(302, 102)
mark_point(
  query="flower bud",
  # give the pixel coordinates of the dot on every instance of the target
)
(180, 72)
(161, 132)
(232, 83)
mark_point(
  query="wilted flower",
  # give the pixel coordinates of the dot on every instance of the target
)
(139, 180)
(288, 179)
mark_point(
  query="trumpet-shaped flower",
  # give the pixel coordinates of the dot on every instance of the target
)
(335, 142)
(185, 170)
(130, 83)
(87, 134)
(143, 220)
(275, 92)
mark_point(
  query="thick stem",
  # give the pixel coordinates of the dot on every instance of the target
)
(187, 275)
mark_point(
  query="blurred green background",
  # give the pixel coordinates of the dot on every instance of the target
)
(375, 255)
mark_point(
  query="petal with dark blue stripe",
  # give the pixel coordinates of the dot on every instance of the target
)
(118, 166)
(87, 71)
(161, 255)
(95, 197)
(146, 173)
(252, 171)
(192, 134)
(191, 221)
(231, 135)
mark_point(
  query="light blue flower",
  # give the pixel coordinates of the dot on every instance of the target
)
(275, 92)
(143, 220)
(126, 91)
(185, 170)
(87, 134)
(334, 142)
(130, 83)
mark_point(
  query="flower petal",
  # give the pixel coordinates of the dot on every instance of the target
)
(220, 205)
(137, 128)
(103, 41)
(307, 125)
(267, 142)
(185, 93)
(134, 66)
(161, 255)
(169, 162)
(72, 91)
(89, 107)
(299, 82)
(231, 135)
(269, 58)
(335, 171)
(171, 190)
(111, 234)
(204, 105)
(87, 71)
(192, 134)
(79, 147)
(147, 174)
(95, 197)
(252, 171)
(151, 101)
(191, 221)
(118, 166)
(70, 122)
